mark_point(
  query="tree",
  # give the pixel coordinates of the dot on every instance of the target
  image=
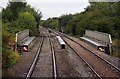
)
(104, 17)
(37, 14)
(52, 23)
(9, 57)
(12, 10)
(64, 20)
(27, 21)
(16, 17)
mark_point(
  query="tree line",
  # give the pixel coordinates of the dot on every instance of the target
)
(103, 17)
(17, 16)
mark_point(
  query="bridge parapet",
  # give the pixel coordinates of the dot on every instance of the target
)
(24, 41)
(104, 38)
(22, 35)
(99, 39)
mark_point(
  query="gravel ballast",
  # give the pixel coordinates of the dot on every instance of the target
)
(69, 64)
(100, 66)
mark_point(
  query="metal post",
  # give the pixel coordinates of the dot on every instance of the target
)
(20, 50)
(110, 48)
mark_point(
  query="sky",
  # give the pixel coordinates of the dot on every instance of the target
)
(55, 8)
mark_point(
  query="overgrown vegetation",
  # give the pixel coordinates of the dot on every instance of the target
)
(9, 57)
(103, 17)
(16, 17)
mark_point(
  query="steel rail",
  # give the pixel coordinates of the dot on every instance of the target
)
(83, 60)
(115, 67)
(35, 60)
(53, 59)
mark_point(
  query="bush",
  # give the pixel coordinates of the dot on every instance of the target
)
(116, 51)
(9, 57)
(27, 21)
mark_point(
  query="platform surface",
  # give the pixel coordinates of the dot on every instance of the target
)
(93, 42)
(27, 41)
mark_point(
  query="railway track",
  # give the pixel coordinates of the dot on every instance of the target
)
(53, 66)
(53, 58)
(69, 64)
(35, 59)
(118, 69)
(64, 67)
(52, 71)
(97, 74)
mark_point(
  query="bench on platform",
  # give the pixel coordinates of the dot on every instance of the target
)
(61, 42)
(24, 41)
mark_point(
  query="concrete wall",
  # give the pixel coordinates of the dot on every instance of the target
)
(104, 37)
(21, 35)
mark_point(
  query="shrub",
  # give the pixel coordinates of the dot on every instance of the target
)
(9, 58)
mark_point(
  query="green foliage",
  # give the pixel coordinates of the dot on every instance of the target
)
(12, 11)
(42, 22)
(64, 20)
(52, 23)
(116, 43)
(103, 17)
(27, 21)
(8, 56)
(6, 35)
(16, 17)
(37, 14)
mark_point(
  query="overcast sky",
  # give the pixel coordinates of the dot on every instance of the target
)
(55, 8)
